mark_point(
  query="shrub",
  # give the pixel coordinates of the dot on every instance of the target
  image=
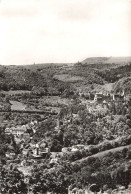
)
(91, 160)
(93, 150)
(106, 146)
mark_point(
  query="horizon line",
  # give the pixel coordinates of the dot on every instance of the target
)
(79, 61)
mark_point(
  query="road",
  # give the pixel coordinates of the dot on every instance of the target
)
(103, 153)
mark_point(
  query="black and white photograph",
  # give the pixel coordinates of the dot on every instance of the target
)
(65, 96)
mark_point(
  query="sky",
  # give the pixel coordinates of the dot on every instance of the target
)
(58, 31)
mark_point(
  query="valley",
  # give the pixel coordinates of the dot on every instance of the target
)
(66, 128)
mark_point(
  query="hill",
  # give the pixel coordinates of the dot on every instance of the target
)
(115, 60)
(89, 74)
(93, 60)
(123, 84)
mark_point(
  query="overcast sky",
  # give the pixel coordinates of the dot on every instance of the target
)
(36, 31)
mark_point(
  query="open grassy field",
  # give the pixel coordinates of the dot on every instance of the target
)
(67, 78)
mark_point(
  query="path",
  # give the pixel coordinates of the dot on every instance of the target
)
(103, 153)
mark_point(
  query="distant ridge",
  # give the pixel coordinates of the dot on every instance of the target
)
(116, 60)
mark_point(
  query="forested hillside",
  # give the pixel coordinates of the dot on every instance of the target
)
(90, 72)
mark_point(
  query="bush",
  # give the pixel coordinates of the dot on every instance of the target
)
(106, 146)
(93, 150)
(91, 160)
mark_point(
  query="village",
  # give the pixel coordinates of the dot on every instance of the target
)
(65, 97)
(32, 152)
(55, 134)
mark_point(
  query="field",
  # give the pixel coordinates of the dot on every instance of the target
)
(15, 105)
(68, 78)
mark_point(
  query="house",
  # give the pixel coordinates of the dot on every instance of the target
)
(119, 97)
(8, 131)
(39, 154)
(44, 149)
(98, 97)
(53, 161)
(43, 146)
(40, 149)
(74, 149)
(17, 131)
(77, 147)
(36, 153)
(44, 154)
(105, 104)
(32, 123)
(36, 150)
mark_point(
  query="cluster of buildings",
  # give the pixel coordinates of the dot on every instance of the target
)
(21, 134)
(21, 129)
(35, 150)
(106, 96)
(100, 97)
